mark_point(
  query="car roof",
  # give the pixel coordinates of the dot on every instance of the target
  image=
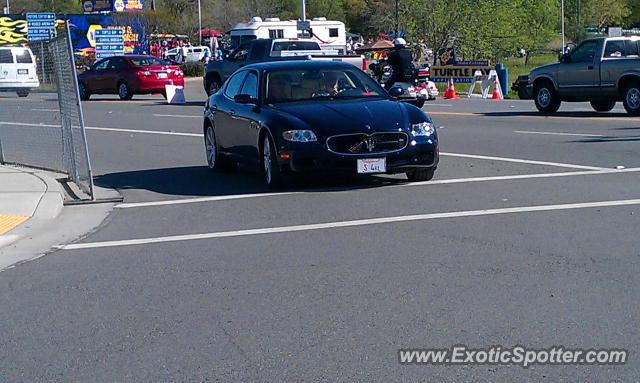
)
(298, 64)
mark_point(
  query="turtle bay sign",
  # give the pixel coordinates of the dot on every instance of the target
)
(461, 71)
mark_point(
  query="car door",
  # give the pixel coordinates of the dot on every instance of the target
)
(225, 117)
(95, 80)
(114, 74)
(246, 119)
(578, 72)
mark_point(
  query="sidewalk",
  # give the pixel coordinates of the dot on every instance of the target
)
(27, 198)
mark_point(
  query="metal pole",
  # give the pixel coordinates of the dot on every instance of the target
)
(8, 9)
(200, 22)
(562, 24)
(304, 10)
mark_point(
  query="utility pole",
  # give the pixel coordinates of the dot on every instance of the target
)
(199, 23)
(562, 24)
(153, 5)
(7, 10)
(304, 10)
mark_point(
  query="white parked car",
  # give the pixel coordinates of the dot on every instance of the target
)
(17, 70)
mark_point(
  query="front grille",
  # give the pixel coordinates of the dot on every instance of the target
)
(376, 143)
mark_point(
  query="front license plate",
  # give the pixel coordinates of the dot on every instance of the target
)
(372, 165)
(23, 71)
(162, 75)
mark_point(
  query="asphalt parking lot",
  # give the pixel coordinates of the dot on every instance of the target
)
(528, 235)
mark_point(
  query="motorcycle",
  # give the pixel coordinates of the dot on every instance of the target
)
(416, 91)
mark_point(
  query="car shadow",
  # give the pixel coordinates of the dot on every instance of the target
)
(201, 181)
(557, 114)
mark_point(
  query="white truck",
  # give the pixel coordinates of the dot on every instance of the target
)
(329, 34)
(18, 70)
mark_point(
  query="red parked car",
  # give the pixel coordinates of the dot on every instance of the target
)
(129, 75)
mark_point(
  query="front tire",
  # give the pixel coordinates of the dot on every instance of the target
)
(603, 105)
(631, 99)
(124, 92)
(270, 169)
(22, 93)
(421, 175)
(84, 93)
(546, 99)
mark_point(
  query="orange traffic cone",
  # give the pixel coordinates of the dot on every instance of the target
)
(450, 93)
(497, 94)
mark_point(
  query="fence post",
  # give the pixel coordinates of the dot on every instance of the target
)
(81, 113)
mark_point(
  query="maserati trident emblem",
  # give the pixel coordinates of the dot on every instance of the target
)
(368, 127)
(369, 143)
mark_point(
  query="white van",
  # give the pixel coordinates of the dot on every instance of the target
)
(188, 54)
(329, 34)
(18, 70)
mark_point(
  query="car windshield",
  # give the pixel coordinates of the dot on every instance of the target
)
(320, 84)
(147, 61)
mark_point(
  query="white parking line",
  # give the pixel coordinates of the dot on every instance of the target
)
(521, 161)
(46, 110)
(144, 131)
(425, 183)
(559, 134)
(177, 116)
(353, 223)
(199, 199)
(107, 129)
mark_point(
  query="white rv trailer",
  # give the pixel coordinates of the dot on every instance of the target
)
(329, 34)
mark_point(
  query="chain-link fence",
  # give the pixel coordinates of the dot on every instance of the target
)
(41, 121)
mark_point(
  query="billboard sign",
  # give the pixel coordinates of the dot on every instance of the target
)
(41, 26)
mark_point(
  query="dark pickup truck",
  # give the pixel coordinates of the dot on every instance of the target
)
(263, 50)
(602, 71)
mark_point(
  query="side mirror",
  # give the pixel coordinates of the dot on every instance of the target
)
(244, 99)
(396, 91)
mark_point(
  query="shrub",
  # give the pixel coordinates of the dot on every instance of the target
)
(193, 69)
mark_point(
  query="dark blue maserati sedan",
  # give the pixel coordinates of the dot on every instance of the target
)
(306, 117)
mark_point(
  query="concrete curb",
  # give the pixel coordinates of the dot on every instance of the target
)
(48, 208)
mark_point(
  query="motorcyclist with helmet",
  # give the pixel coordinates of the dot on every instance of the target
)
(401, 61)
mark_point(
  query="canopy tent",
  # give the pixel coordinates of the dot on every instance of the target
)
(209, 32)
(353, 35)
(379, 45)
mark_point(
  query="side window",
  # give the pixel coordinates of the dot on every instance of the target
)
(234, 84)
(241, 53)
(102, 65)
(333, 32)
(250, 86)
(585, 53)
(631, 46)
(258, 51)
(24, 57)
(6, 57)
(118, 64)
(615, 49)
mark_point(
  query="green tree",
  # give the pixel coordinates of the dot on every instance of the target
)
(606, 13)
(537, 25)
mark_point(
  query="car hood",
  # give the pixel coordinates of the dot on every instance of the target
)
(349, 116)
(549, 68)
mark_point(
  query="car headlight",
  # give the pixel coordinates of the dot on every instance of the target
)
(424, 129)
(299, 136)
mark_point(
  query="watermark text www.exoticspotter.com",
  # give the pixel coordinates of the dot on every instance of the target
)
(518, 355)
